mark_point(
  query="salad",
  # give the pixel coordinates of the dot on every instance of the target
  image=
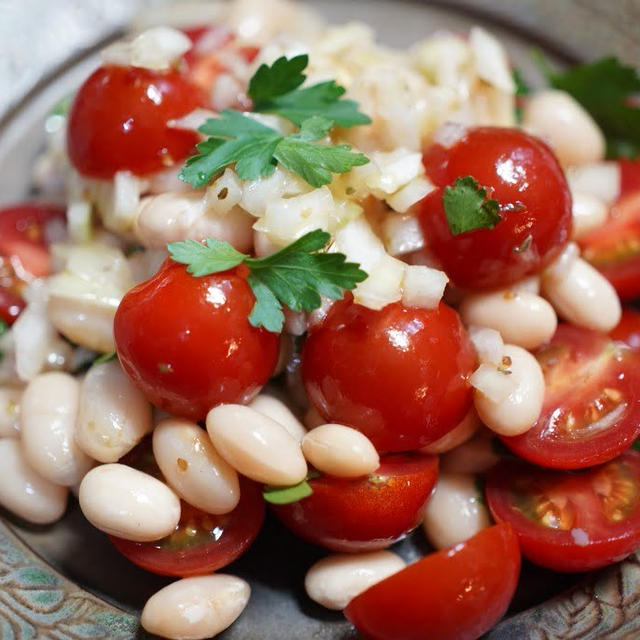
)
(274, 264)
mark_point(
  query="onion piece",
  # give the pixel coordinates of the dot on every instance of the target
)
(488, 344)
(384, 284)
(423, 286)
(491, 62)
(402, 234)
(492, 382)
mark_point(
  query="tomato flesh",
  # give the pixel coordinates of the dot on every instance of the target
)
(628, 329)
(591, 410)
(455, 594)
(363, 514)
(570, 521)
(118, 121)
(629, 175)
(187, 344)
(399, 375)
(614, 248)
(523, 175)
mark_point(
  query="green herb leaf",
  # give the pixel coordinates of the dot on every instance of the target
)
(466, 207)
(522, 89)
(605, 88)
(61, 108)
(287, 495)
(4, 327)
(105, 357)
(295, 276)
(275, 89)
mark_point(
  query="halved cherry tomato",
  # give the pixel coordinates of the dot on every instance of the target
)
(614, 248)
(362, 514)
(187, 344)
(591, 410)
(118, 121)
(202, 542)
(399, 375)
(629, 175)
(570, 521)
(523, 175)
(628, 329)
(455, 594)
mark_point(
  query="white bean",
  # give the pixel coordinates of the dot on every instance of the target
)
(10, 398)
(337, 579)
(49, 411)
(459, 434)
(127, 503)
(340, 451)
(193, 468)
(277, 410)
(255, 445)
(195, 608)
(24, 492)
(522, 318)
(584, 297)
(476, 455)
(600, 179)
(588, 212)
(455, 511)
(520, 409)
(572, 133)
(113, 415)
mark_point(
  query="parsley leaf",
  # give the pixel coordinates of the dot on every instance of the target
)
(275, 89)
(105, 357)
(295, 276)
(466, 207)
(605, 89)
(522, 89)
(4, 327)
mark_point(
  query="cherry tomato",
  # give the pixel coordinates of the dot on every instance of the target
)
(628, 329)
(187, 344)
(202, 542)
(591, 410)
(399, 375)
(118, 121)
(363, 514)
(629, 175)
(455, 594)
(523, 175)
(11, 306)
(570, 521)
(614, 248)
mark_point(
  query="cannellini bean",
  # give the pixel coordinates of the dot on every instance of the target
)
(23, 491)
(337, 579)
(476, 455)
(195, 608)
(127, 503)
(455, 511)
(113, 415)
(10, 398)
(584, 297)
(600, 179)
(255, 445)
(589, 212)
(572, 133)
(49, 411)
(459, 434)
(520, 409)
(340, 451)
(522, 318)
(193, 468)
(530, 284)
(277, 410)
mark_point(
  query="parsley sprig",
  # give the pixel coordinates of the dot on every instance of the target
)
(4, 327)
(256, 148)
(467, 208)
(295, 276)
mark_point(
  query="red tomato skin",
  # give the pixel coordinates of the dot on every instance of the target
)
(118, 121)
(546, 444)
(23, 238)
(11, 306)
(236, 531)
(556, 549)
(187, 344)
(454, 594)
(628, 329)
(399, 375)
(613, 248)
(364, 514)
(629, 176)
(523, 175)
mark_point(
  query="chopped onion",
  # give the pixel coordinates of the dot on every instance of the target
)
(395, 169)
(600, 179)
(193, 120)
(491, 62)
(384, 284)
(402, 234)
(256, 194)
(449, 133)
(423, 287)
(225, 193)
(494, 384)
(359, 243)
(262, 246)
(126, 197)
(403, 199)
(488, 344)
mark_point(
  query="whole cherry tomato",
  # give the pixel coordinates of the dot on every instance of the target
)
(118, 121)
(399, 375)
(523, 175)
(187, 344)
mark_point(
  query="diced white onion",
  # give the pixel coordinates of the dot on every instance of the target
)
(491, 62)
(494, 384)
(384, 284)
(402, 234)
(256, 194)
(359, 243)
(224, 193)
(403, 199)
(395, 169)
(449, 133)
(423, 287)
(488, 344)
